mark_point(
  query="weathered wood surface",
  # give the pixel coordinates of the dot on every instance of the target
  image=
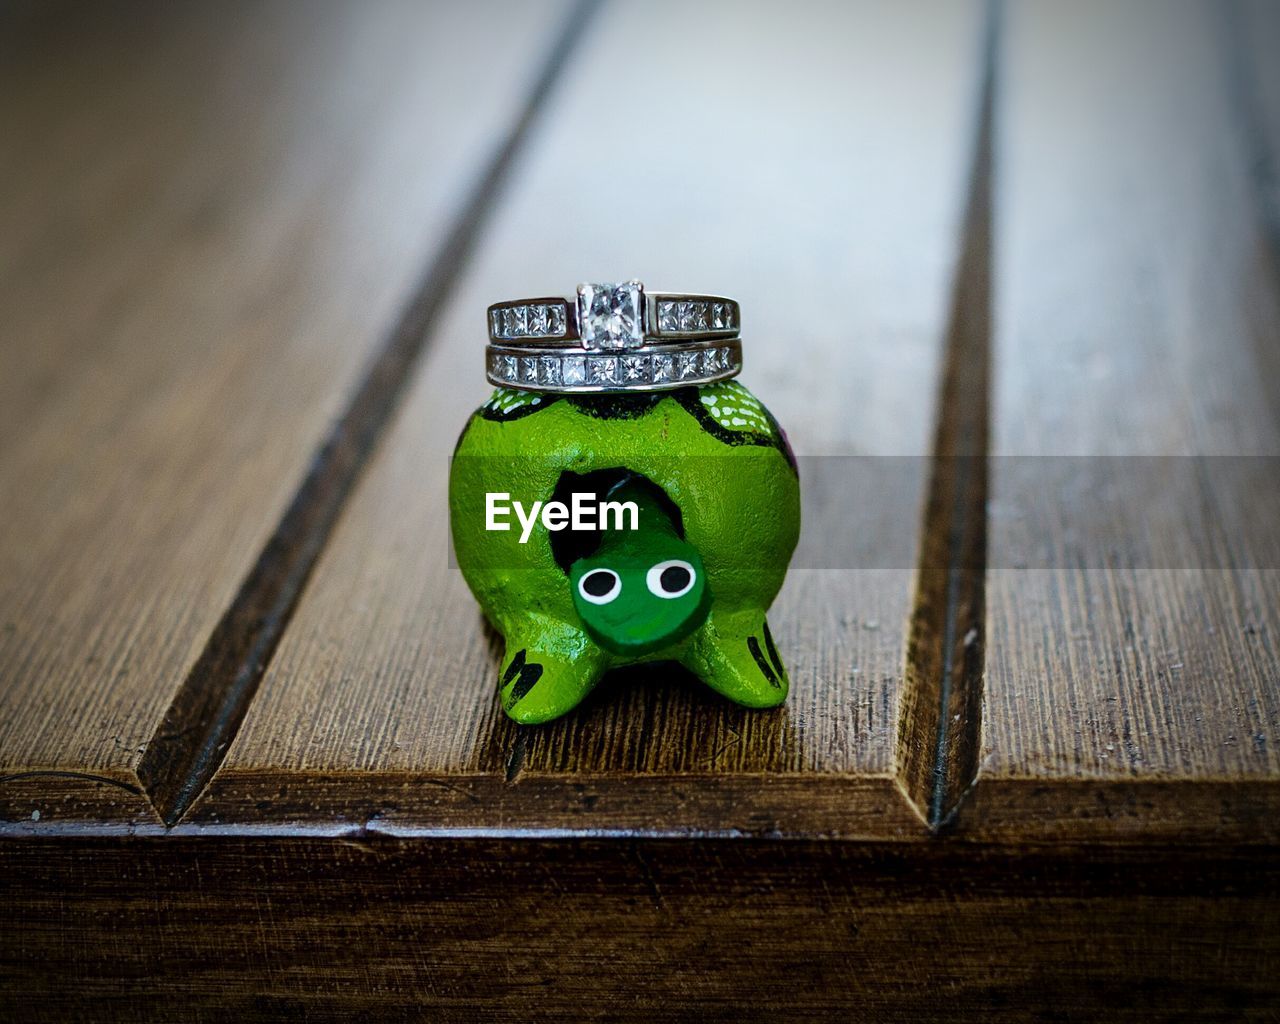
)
(207, 219)
(640, 930)
(381, 701)
(1133, 672)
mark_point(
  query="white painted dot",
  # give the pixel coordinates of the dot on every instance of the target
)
(738, 421)
(35, 815)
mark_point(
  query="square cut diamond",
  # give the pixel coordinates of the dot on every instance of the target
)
(661, 367)
(495, 323)
(574, 370)
(668, 321)
(635, 369)
(555, 321)
(548, 369)
(538, 321)
(604, 370)
(719, 316)
(693, 316)
(529, 369)
(610, 315)
(687, 364)
(508, 371)
(518, 321)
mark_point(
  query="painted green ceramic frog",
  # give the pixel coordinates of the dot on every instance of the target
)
(717, 502)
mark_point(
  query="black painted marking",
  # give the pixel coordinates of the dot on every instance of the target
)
(784, 445)
(530, 673)
(617, 407)
(773, 651)
(517, 663)
(753, 645)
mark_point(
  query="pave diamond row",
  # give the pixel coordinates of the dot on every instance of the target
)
(534, 320)
(594, 369)
(688, 316)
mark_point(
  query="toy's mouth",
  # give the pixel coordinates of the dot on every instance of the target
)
(638, 634)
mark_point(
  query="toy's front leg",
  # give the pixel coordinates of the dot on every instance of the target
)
(547, 669)
(734, 654)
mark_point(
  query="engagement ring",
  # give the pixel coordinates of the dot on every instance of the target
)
(613, 337)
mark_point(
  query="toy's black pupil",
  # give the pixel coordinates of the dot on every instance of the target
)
(598, 583)
(674, 578)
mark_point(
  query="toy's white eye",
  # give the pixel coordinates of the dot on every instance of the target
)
(600, 586)
(673, 578)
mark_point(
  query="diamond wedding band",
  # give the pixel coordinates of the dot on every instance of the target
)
(613, 337)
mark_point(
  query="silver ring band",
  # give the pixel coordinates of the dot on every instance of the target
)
(615, 317)
(571, 370)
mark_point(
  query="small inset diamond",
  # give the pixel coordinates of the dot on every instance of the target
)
(574, 370)
(518, 321)
(604, 370)
(687, 365)
(538, 321)
(635, 369)
(719, 316)
(529, 369)
(495, 323)
(508, 368)
(548, 369)
(662, 368)
(692, 316)
(668, 321)
(609, 315)
(555, 321)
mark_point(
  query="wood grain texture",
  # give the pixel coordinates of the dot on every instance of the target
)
(1133, 670)
(208, 217)
(724, 930)
(382, 700)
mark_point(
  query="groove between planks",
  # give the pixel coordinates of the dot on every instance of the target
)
(200, 724)
(940, 724)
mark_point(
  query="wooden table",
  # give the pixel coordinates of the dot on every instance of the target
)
(252, 763)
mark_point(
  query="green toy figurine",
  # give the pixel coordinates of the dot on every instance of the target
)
(619, 499)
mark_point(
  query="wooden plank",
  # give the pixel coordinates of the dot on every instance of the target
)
(330, 929)
(1133, 674)
(209, 219)
(773, 163)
